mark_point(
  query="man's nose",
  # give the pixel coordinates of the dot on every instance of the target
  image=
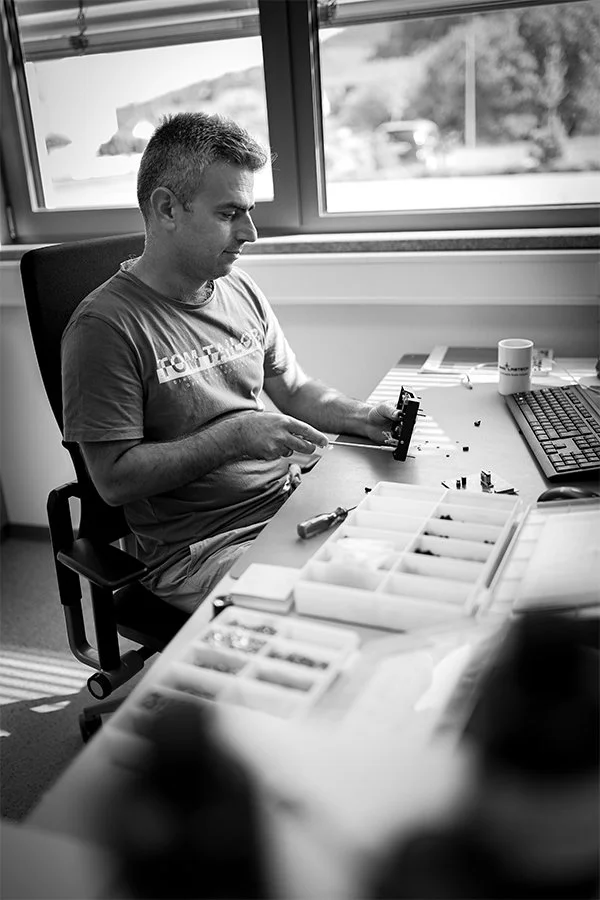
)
(247, 232)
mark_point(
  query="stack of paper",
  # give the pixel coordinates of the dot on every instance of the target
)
(265, 587)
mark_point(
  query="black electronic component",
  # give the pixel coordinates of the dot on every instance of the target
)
(404, 425)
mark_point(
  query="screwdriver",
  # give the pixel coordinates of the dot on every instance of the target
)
(319, 524)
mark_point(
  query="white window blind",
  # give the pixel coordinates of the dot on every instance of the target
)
(53, 29)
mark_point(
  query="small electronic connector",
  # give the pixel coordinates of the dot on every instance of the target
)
(463, 481)
(458, 484)
(465, 449)
(486, 478)
(408, 408)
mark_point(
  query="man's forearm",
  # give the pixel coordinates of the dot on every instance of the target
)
(328, 409)
(151, 468)
(124, 471)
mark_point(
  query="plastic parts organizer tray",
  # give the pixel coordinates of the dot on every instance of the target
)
(553, 563)
(408, 557)
(248, 658)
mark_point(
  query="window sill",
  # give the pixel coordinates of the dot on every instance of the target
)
(406, 242)
(431, 242)
(400, 269)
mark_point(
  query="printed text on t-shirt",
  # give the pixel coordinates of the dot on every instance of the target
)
(191, 361)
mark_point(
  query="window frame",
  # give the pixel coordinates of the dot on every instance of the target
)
(289, 31)
(315, 218)
(21, 176)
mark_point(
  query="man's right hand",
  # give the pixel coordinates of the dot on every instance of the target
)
(266, 435)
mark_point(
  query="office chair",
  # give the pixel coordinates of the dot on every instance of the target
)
(55, 279)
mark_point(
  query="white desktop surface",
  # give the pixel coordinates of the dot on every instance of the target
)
(357, 770)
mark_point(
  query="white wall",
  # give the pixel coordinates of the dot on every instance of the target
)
(349, 318)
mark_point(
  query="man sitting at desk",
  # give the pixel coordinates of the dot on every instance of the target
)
(164, 364)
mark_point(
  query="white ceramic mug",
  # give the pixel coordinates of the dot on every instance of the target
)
(514, 365)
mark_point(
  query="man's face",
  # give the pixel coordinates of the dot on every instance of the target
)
(211, 233)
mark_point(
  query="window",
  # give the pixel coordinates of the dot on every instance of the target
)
(385, 115)
(481, 110)
(90, 81)
(93, 114)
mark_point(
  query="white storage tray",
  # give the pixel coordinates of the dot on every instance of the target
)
(248, 658)
(553, 562)
(408, 557)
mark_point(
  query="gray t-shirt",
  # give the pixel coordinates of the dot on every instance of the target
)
(137, 364)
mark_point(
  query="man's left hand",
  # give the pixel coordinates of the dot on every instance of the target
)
(380, 421)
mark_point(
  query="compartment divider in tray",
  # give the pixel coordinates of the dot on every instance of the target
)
(344, 576)
(471, 514)
(365, 518)
(440, 567)
(462, 531)
(284, 675)
(456, 549)
(439, 590)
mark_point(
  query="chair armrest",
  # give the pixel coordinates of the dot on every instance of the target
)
(104, 565)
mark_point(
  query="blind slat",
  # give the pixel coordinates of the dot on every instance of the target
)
(46, 29)
(355, 12)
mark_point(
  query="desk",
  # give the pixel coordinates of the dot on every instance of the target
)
(340, 477)
(357, 786)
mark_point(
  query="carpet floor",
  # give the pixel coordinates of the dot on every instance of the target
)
(42, 686)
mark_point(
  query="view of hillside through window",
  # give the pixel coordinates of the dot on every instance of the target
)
(436, 113)
(93, 114)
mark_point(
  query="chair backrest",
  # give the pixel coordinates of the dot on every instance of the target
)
(55, 280)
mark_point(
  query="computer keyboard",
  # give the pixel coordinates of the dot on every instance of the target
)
(562, 427)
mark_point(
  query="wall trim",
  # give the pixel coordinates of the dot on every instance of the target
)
(503, 278)
(515, 278)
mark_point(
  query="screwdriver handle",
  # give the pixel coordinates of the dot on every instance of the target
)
(319, 524)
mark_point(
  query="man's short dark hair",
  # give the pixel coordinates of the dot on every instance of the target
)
(182, 147)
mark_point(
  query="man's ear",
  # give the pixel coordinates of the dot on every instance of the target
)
(164, 203)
